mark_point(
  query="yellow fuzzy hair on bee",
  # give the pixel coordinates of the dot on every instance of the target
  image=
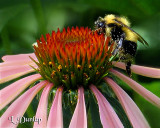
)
(109, 18)
(124, 20)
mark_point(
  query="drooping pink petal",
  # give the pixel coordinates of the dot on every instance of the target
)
(138, 88)
(109, 118)
(42, 108)
(8, 93)
(19, 57)
(134, 114)
(19, 106)
(11, 77)
(79, 119)
(16, 63)
(55, 119)
(18, 60)
(11, 72)
(141, 70)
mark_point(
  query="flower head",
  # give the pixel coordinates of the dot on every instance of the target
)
(73, 64)
(73, 57)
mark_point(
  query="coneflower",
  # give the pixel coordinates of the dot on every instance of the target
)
(71, 65)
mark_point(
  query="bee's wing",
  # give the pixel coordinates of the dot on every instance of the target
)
(140, 39)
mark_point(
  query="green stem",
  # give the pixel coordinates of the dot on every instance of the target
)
(37, 8)
(5, 40)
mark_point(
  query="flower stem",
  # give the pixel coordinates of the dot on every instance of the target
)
(5, 40)
(37, 8)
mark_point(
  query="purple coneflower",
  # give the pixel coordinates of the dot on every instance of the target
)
(71, 62)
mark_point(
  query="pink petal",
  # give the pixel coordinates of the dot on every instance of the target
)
(10, 92)
(109, 118)
(12, 72)
(141, 70)
(16, 63)
(138, 88)
(20, 57)
(134, 114)
(19, 106)
(79, 118)
(55, 119)
(16, 60)
(11, 77)
(42, 107)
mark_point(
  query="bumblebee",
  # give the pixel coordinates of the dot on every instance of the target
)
(125, 38)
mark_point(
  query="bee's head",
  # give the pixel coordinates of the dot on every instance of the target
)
(100, 25)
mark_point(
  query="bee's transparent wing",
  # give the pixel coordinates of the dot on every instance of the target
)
(140, 39)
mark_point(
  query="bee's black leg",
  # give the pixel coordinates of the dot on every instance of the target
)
(130, 49)
(128, 68)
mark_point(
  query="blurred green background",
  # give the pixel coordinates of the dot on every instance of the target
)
(22, 22)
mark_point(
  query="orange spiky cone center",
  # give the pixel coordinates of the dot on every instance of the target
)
(73, 57)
